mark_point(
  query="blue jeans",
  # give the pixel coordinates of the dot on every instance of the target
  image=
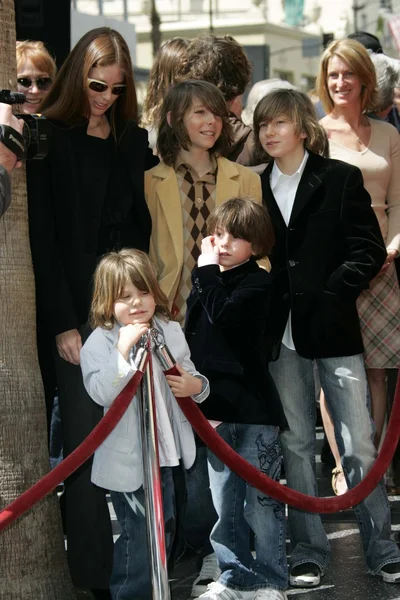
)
(343, 380)
(56, 441)
(130, 576)
(242, 508)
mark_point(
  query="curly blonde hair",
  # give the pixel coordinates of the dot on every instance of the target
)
(110, 277)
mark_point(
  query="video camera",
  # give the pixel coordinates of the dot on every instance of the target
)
(35, 131)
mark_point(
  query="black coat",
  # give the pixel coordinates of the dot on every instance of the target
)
(321, 262)
(226, 324)
(65, 224)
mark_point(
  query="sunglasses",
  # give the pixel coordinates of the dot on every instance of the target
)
(100, 86)
(42, 83)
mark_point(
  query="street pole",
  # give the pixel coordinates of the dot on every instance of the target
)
(211, 27)
(126, 15)
(356, 8)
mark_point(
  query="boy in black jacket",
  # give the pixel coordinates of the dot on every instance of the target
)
(328, 247)
(226, 326)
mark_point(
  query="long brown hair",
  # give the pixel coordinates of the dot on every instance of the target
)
(162, 75)
(173, 136)
(67, 100)
(298, 107)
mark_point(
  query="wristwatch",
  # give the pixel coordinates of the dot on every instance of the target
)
(13, 140)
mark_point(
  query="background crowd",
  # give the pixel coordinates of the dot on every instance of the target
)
(120, 176)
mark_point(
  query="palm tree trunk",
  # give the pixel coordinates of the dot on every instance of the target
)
(32, 558)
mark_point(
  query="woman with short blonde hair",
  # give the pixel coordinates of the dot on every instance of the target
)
(36, 71)
(347, 86)
(359, 61)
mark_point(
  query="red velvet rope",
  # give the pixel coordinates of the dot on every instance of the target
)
(224, 452)
(272, 488)
(74, 460)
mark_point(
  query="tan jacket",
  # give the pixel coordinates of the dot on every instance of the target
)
(164, 202)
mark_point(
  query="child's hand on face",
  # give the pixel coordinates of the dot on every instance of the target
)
(129, 335)
(184, 384)
(208, 245)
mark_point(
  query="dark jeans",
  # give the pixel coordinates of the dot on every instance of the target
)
(130, 579)
(200, 515)
(242, 508)
(392, 380)
(55, 441)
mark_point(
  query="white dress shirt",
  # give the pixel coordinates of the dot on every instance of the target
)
(284, 188)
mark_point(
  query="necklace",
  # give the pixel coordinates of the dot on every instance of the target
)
(355, 135)
(362, 124)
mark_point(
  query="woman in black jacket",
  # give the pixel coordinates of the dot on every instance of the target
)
(85, 199)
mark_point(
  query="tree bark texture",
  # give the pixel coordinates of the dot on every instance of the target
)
(32, 557)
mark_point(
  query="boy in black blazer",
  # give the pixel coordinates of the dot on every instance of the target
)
(328, 247)
(226, 327)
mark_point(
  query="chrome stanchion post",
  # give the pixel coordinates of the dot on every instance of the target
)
(152, 479)
(161, 350)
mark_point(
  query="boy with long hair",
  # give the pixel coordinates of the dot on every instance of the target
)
(328, 248)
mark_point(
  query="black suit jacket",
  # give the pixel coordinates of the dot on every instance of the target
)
(321, 262)
(226, 323)
(64, 227)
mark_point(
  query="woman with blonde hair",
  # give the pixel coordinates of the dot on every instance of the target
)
(85, 199)
(347, 87)
(36, 71)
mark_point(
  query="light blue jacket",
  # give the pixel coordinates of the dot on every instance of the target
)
(117, 463)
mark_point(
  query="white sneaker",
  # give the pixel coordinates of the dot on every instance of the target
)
(270, 594)
(209, 573)
(219, 591)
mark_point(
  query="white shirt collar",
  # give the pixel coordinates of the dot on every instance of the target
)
(276, 173)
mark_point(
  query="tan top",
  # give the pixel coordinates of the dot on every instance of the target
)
(164, 201)
(380, 167)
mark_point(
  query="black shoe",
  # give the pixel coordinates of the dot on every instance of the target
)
(305, 575)
(390, 573)
(326, 454)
